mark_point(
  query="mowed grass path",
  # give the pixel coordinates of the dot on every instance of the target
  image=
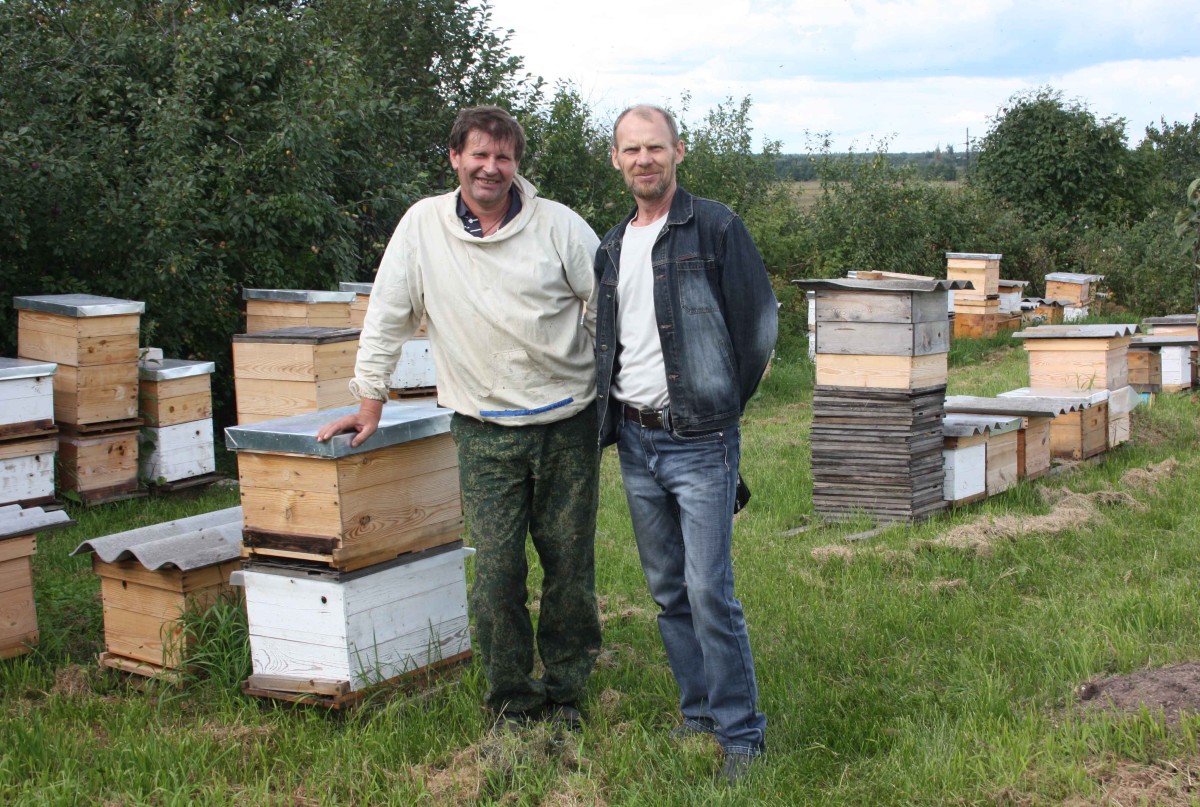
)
(935, 664)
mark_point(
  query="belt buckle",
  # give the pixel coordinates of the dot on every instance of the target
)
(650, 420)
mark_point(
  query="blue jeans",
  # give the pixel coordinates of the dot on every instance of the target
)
(680, 492)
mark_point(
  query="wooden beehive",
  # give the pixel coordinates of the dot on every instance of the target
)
(151, 578)
(19, 527)
(26, 397)
(1041, 311)
(1081, 431)
(343, 506)
(982, 270)
(964, 454)
(94, 341)
(27, 470)
(271, 309)
(1073, 289)
(1171, 325)
(362, 298)
(881, 321)
(1033, 436)
(291, 371)
(1145, 367)
(1175, 359)
(1078, 356)
(327, 634)
(98, 466)
(415, 371)
(176, 405)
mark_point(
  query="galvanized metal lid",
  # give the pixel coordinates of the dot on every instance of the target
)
(845, 284)
(186, 543)
(171, 369)
(1163, 340)
(969, 425)
(301, 334)
(1100, 331)
(400, 422)
(17, 521)
(298, 296)
(1037, 301)
(1022, 407)
(1081, 398)
(78, 305)
(1073, 277)
(1013, 284)
(1171, 319)
(974, 256)
(25, 368)
(357, 288)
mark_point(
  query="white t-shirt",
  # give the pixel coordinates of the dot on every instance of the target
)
(641, 379)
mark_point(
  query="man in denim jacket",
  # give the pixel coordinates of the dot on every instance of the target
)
(686, 321)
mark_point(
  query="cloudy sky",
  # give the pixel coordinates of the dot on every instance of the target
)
(916, 73)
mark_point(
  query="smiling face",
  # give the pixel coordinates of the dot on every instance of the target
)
(646, 156)
(486, 168)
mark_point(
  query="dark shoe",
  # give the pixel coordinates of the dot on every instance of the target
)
(510, 722)
(737, 766)
(564, 715)
(687, 730)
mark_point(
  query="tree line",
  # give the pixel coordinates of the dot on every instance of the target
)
(178, 151)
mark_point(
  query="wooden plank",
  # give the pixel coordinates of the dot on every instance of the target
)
(18, 547)
(78, 351)
(294, 362)
(18, 618)
(77, 327)
(26, 400)
(182, 400)
(104, 461)
(143, 638)
(173, 579)
(96, 394)
(27, 478)
(277, 399)
(886, 372)
(1002, 468)
(176, 452)
(16, 573)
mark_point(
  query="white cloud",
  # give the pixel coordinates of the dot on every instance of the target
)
(918, 72)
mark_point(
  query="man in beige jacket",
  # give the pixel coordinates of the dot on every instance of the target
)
(504, 279)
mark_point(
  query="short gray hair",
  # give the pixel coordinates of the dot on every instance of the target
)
(647, 112)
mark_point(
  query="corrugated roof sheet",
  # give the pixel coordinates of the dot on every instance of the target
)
(884, 285)
(969, 425)
(186, 543)
(1082, 399)
(1023, 407)
(16, 521)
(1100, 331)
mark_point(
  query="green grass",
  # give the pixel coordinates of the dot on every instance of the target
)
(909, 668)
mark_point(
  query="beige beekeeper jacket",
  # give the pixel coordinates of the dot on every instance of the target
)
(511, 316)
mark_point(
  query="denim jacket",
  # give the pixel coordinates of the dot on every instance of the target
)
(717, 317)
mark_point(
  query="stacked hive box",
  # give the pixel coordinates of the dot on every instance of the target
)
(175, 397)
(290, 371)
(1034, 435)
(19, 528)
(1085, 357)
(28, 436)
(94, 341)
(877, 408)
(976, 310)
(1041, 311)
(152, 577)
(980, 454)
(1074, 290)
(1010, 304)
(1177, 325)
(1161, 363)
(414, 375)
(1081, 431)
(354, 573)
(269, 309)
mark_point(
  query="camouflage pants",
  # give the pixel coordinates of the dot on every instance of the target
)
(541, 480)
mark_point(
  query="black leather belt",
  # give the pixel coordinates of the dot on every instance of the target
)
(651, 419)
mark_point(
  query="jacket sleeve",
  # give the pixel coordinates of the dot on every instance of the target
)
(578, 262)
(751, 310)
(393, 316)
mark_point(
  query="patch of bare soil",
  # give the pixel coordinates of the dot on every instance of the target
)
(1068, 511)
(1122, 782)
(1170, 690)
(73, 681)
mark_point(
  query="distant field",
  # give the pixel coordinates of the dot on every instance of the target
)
(806, 192)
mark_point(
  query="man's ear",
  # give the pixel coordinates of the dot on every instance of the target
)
(680, 150)
(615, 164)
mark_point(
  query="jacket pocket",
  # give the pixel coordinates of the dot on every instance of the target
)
(697, 286)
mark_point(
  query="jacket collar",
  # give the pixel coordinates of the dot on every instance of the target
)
(680, 213)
